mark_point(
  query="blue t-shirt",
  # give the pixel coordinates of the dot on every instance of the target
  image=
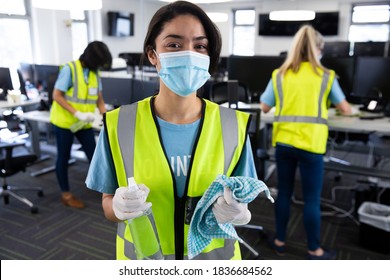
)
(64, 80)
(336, 94)
(178, 141)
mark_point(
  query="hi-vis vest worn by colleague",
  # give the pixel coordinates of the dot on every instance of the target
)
(82, 96)
(303, 122)
(134, 139)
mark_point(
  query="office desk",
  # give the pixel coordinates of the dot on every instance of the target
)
(340, 123)
(33, 118)
(336, 122)
(4, 104)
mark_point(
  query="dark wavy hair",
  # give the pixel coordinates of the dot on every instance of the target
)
(178, 8)
(96, 55)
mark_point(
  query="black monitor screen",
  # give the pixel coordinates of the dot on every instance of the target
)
(344, 68)
(336, 49)
(254, 71)
(222, 64)
(45, 76)
(142, 89)
(117, 91)
(369, 49)
(27, 72)
(221, 69)
(45, 79)
(372, 78)
(5, 80)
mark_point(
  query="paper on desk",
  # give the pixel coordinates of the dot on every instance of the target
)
(6, 134)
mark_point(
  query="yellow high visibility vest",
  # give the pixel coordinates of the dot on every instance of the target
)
(301, 110)
(137, 152)
(82, 96)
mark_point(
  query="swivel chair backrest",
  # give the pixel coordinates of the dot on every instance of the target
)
(219, 92)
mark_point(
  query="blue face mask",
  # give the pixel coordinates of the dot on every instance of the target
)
(184, 72)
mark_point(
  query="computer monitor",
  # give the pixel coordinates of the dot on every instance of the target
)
(371, 80)
(135, 59)
(345, 70)
(22, 83)
(45, 77)
(5, 82)
(254, 71)
(27, 72)
(221, 69)
(369, 49)
(117, 91)
(142, 89)
(336, 49)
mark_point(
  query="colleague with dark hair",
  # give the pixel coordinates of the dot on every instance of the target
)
(77, 93)
(301, 91)
(175, 143)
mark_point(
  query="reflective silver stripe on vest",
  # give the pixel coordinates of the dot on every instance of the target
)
(80, 101)
(126, 133)
(223, 253)
(229, 134)
(129, 249)
(325, 80)
(302, 119)
(76, 82)
(280, 90)
(74, 98)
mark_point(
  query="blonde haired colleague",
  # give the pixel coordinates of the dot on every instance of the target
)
(301, 91)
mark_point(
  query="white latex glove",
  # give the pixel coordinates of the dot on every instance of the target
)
(228, 210)
(129, 204)
(85, 117)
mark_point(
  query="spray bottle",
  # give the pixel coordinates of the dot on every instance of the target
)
(144, 232)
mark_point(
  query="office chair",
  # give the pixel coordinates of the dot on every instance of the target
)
(260, 156)
(229, 91)
(11, 164)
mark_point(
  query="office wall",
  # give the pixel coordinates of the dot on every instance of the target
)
(143, 12)
(52, 38)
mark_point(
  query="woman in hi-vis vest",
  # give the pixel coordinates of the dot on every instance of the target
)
(173, 143)
(301, 91)
(77, 93)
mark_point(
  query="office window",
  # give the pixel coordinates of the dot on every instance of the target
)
(14, 7)
(15, 43)
(244, 32)
(79, 32)
(370, 23)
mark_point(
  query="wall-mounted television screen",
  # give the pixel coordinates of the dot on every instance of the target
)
(120, 24)
(327, 23)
